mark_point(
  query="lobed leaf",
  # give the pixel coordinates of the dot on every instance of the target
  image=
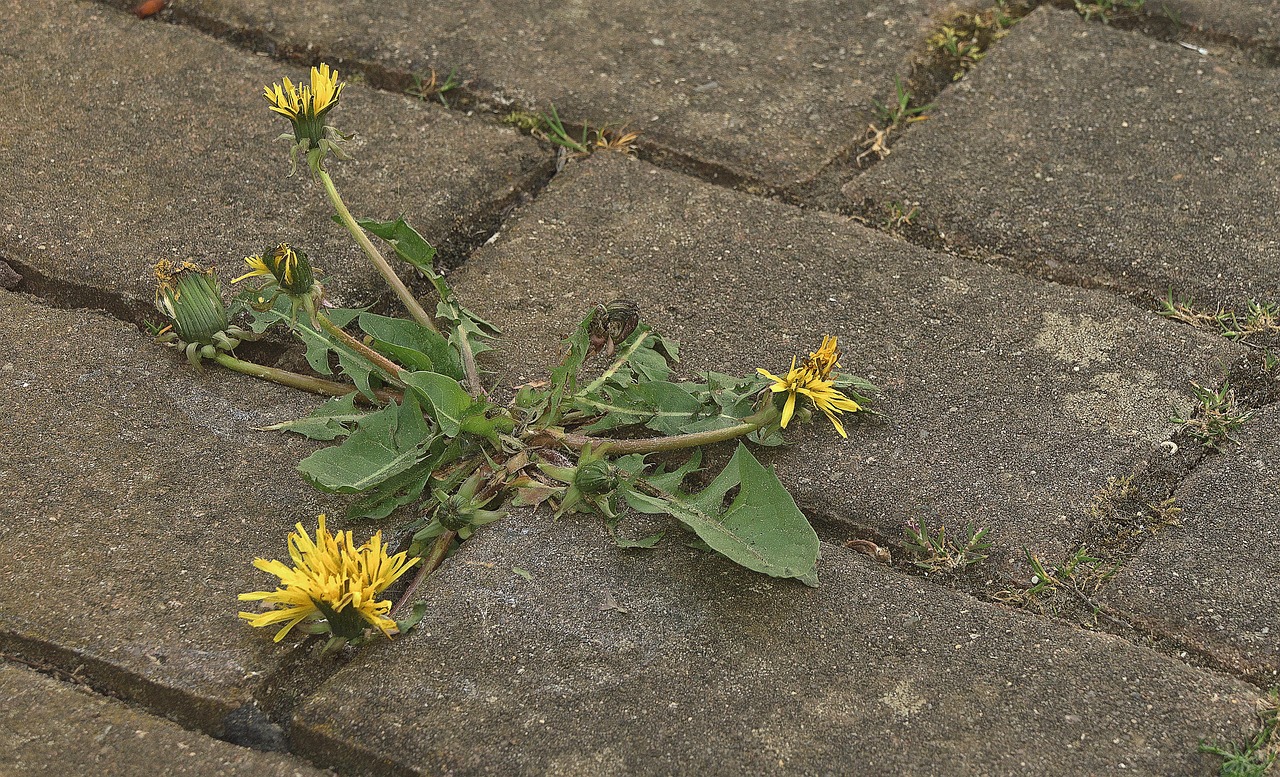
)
(762, 528)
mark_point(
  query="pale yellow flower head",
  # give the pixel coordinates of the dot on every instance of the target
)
(813, 379)
(331, 581)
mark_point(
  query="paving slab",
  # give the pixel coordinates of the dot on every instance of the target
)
(676, 662)
(1082, 151)
(126, 142)
(1210, 583)
(60, 729)
(1008, 401)
(1251, 22)
(135, 497)
(765, 91)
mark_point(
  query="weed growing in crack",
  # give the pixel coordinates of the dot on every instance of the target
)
(549, 127)
(934, 551)
(1258, 320)
(1106, 10)
(426, 88)
(898, 215)
(421, 433)
(1255, 757)
(963, 41)
(1080, 576)
(895, 116)
(1216, 416)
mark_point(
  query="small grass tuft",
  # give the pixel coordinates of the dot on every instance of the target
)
(934, 551)
(963, 40)
(895, 116)
(1215, 417)
(428, 85)
(1256, 756)
(1106, 10)
(898, 215)
(1257, 320)
(549, 127)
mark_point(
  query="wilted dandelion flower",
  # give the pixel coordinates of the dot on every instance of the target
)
(331, 582)
(813, 379)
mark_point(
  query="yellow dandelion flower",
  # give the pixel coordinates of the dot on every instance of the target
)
(331, 581)
(286, 267)
(305, 106)
(813, 379)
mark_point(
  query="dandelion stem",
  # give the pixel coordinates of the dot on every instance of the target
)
(325, 388)
(434, 558)
(385, 365)
(402, 292)
(673, 443)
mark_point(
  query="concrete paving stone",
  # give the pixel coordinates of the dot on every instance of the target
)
(1009, 401)
(1255, 22)
(135, 497)
(126, 142)
(767, 91)
(1210, 583)
(1085, 151)
(676, 662)
(54, 728)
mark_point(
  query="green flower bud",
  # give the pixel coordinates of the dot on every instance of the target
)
(191, 298)
(595, 477)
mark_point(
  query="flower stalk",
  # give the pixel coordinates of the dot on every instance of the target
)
(760, 419)
(402, 292)
(308, 383)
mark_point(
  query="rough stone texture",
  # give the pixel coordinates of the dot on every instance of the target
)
(1210, 583)
(124, 142)
(1255, 22)
(135, 497)
(1008, 402)
(1081, 150)
(768, 90)
(676, 662)
(53, 728)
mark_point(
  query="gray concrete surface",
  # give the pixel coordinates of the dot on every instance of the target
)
(61, 729)
(675, 662)
(136, 496)
(767, 92)
(1210, 581)
(152, 144)
(1008, 402)
(1088, 153)
(135, 493)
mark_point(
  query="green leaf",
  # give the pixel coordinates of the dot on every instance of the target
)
(415, 617)
(412, 248)
(319, 344)
(564, 378)
(762, 529)
(646, 543)
(406, 488)
(336, 418)
(385, 444)
(408, 244)
(411, 344)
(449, 401)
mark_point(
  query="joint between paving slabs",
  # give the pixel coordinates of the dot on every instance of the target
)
(1126, 512)
(261, 724)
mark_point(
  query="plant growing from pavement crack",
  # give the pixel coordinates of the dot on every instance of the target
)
(1216, 416)
(1258, 753)
(413, 427)
(935, 551)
